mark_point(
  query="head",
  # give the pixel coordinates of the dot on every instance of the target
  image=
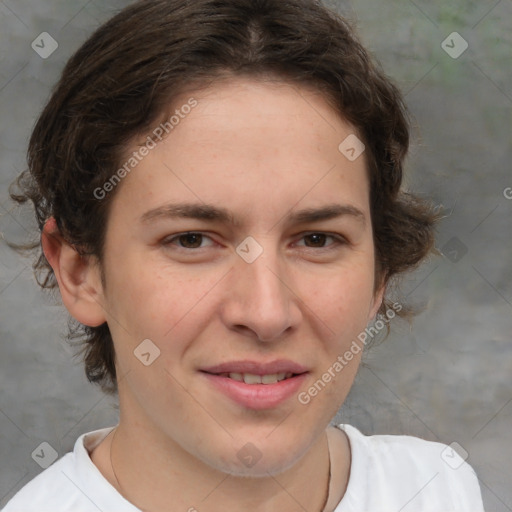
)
(223, 180)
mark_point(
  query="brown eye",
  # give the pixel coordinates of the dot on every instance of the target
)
(316, 240)
(190, 240)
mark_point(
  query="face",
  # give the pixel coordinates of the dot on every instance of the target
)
(241, 247)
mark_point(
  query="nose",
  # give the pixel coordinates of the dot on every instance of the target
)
(262, 299)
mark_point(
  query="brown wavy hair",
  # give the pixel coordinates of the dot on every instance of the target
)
(124, 77)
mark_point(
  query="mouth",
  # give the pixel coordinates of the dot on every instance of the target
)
(256, 385)
(251, 378)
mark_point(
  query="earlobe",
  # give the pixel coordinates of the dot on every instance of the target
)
(377, 301)
(78, 277)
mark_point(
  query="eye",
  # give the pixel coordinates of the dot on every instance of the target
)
(320, 240)
(191, 240)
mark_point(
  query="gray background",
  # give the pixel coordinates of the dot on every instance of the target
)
(448, 377)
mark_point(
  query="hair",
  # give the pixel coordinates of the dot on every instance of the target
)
(124, 77)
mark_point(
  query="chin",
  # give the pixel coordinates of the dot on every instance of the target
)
(257, 459)
(264, 468)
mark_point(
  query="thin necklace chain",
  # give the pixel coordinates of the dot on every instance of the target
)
(143, 510)
(324, 506)
(119, 486)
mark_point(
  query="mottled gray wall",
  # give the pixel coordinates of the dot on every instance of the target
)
(449, 378)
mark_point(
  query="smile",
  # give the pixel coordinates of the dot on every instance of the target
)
(256, 385)
(251, 378)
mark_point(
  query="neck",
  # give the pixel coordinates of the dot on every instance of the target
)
(151, 475)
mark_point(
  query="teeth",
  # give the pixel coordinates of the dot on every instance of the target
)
(250, 378)
(269, 379)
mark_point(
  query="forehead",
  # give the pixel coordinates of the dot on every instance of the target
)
(255, 111)
(248, 144)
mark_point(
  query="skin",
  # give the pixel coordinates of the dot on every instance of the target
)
(262, 150)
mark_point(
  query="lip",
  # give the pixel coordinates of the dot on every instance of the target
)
(257, 396)
(257, 368)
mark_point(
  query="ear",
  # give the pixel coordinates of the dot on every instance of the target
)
(378, 297)
(78, 277)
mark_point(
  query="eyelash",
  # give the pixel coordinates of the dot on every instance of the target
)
(338, 240)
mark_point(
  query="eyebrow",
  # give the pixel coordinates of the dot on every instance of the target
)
(213, 213)
(331, 211)
(189, 211)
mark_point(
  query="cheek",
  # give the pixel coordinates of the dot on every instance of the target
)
(157, 303)
(342, 298)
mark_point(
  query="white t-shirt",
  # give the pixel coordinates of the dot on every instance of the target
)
(388, 474)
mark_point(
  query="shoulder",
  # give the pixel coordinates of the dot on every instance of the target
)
(71, 483)
(409, 473)
(50, 490)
